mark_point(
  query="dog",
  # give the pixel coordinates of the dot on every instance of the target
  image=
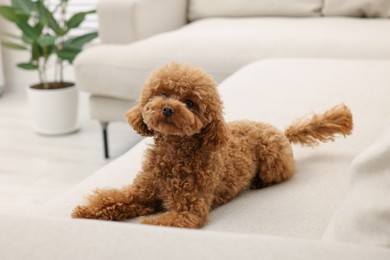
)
(198, 161)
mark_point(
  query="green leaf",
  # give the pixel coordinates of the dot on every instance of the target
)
(12, 14)
(27, 39)
(29, 30)
(72, 47)
(13, 45)
(49, 50)
(77, 19)
(38, 29)
(78, 42)
(46, 40)
(25, 6)
(68, 54)
(43, 13)
(28, 66)
(43, 47)
(53, 24)
(9, 13)
(36, 51)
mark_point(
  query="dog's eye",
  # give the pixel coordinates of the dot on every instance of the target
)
(189, 103)
(164, 96)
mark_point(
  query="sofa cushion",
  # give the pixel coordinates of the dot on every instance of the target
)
(119, 71)
(277, 92)
(245, 8)
(50, 238)
(364, 215)
(46, 238)
(357, 8)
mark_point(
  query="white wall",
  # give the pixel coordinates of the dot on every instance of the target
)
(14, 76)
(2, 85)
(2, 81)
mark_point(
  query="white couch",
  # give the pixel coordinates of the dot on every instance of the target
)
(220, 36)
(336, 207)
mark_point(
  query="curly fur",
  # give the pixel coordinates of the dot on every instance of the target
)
(198, 161)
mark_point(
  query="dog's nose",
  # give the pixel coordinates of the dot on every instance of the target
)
(168, 111)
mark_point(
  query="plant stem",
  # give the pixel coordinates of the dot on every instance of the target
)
(58, 63)
(61, 71)
(40, 73)
(42, 68)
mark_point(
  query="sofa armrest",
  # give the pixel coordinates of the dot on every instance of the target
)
(124, 21)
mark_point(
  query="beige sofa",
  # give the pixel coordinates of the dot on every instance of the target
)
(336, 207)
(219, 36)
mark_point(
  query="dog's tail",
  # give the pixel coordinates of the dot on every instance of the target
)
(321, 127)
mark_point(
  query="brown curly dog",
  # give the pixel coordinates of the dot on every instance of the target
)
(198, 161)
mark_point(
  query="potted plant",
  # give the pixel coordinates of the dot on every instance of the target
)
(44, 32)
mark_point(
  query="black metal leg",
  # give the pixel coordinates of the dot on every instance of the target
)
(105, 139)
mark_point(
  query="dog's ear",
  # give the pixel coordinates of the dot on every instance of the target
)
(135, 119)
(215, 133)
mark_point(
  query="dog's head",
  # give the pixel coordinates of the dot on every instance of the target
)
(180, 100)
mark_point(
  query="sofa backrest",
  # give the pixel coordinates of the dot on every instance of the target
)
(198, 9)
(357, 8)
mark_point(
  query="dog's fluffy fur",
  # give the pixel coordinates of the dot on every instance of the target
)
(198, 161)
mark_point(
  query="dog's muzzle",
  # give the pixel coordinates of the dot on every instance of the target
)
(168, 111)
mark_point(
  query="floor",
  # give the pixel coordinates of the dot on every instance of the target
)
(35, 168)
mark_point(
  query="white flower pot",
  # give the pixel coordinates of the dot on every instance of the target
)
(53, 111)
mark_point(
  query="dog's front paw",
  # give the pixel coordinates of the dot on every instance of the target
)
(174, 219)
(110, 212)
(82, 212)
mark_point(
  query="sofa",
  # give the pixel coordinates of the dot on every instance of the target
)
(336, 207)
(275, 61)
(219, 36)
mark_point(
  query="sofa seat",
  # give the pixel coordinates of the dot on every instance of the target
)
(43, 238)
(279, 91)
(223, 45)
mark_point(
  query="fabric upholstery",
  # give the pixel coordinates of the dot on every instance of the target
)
(248, 8)
(364, 215)
(124, 21)
(48, 238)
(278, 91)
(108, 109)
(119, 71)
(357, 8)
